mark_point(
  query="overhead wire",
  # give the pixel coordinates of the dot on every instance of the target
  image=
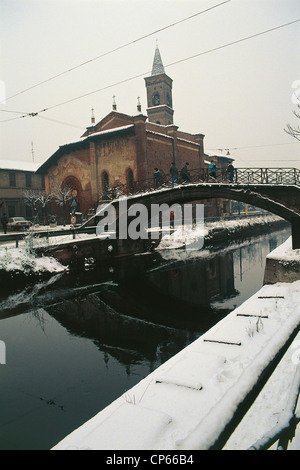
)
(119, 48)
(166, 66)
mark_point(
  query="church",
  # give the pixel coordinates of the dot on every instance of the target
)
(122, 149)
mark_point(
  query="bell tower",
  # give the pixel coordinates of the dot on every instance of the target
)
(159, 93)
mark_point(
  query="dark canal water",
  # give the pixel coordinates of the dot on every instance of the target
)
(76, 343)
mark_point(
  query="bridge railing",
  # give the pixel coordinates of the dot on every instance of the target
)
(286, 176)
(241, 176)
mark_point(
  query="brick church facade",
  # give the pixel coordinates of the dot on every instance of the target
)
(123, 149)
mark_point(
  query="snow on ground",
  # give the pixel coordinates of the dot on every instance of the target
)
(285, 253)
(20, 260)
(193, 236)
(187, 402)
(265, 413)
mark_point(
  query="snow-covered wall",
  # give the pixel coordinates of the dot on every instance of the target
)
(283, 264)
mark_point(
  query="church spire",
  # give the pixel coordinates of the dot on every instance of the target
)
(157, 67)
(159, 93)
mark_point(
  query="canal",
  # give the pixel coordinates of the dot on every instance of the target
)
(76, 342)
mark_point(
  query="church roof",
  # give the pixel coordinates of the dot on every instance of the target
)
(82, 143)
(157, 67)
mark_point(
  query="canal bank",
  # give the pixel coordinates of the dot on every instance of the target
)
(63, 366)
(282, 264)
(198, 397)
(38, 258)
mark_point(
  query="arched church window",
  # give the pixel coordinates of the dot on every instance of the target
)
(130, 180)
(105, 180)
(105, 184)
(169, 100)
(156, 99)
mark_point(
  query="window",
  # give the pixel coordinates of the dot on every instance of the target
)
(130, 180)
(28, 180)
(105, 184)
(12, 179)
(11, 209)
(105, 181)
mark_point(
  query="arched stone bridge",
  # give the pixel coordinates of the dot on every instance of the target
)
(275, 190)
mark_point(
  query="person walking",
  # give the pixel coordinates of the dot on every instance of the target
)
(4, 221)
(184, 173)
(157, 178)
(230, 171)
(174, 174)
(212, 169)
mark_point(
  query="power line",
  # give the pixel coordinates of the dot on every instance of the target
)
(41, 117)
(62, 122)
(251, 146)
(169, 65)
(118, 48)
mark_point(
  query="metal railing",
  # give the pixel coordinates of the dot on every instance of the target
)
(15, 238)
(240, 176)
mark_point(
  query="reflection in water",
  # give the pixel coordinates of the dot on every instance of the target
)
(78, 341)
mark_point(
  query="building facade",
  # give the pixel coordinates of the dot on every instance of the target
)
(122, 149)
(15, 179)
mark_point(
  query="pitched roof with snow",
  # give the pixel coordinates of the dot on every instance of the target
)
(15, 165)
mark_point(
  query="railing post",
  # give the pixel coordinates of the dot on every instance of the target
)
(295, 223)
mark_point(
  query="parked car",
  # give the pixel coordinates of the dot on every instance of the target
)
(18, 223)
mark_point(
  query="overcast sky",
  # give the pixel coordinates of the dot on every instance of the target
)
(240, 96)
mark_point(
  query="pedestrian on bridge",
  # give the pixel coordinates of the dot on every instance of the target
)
(174, 174)
(212, 169)
(157, 178)
(230, 171)
(184, 173)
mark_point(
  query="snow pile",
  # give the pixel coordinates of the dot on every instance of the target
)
(21, 261)
(193, 236)
(187, 402)
(244, 222)
(188, 236)
(285, 253)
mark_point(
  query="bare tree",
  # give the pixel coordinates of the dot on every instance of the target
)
(38, 201)
(61, 197)
(294, 131)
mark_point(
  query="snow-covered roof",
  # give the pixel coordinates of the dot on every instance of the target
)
(82, 140)
(188, 141)
(161, 135)
(109, 131)
(225, 158)
(18, 165)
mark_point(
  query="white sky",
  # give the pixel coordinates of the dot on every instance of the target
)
(239, 96)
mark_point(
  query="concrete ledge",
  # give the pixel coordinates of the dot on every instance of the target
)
(283, 264)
